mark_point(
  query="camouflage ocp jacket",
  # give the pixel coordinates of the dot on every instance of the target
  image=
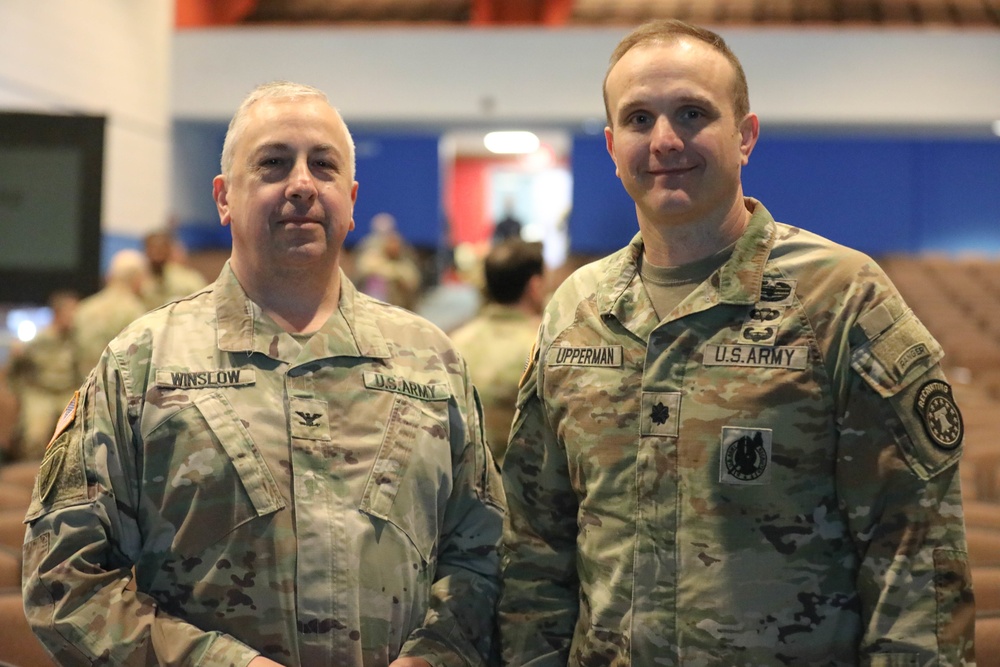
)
(321, 500)
(767, 476)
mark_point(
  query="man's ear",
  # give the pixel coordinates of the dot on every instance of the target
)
(609, 140)
(220, 193)
(749, 132)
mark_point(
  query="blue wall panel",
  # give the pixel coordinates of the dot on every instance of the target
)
(858, 192)
(603, 215)
(399, 174)
(877, 194)
(960, 196)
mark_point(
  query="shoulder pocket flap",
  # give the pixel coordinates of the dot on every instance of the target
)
(897, 356)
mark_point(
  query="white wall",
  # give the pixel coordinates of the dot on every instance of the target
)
(100, 57)
(848, 76)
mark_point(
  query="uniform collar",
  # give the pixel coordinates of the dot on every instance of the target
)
(499, 311)
(243, 327)
(738, 281)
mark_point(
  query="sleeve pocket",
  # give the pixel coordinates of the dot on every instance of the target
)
(956, 611)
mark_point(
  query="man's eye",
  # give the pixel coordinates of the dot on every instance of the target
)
(639, 118)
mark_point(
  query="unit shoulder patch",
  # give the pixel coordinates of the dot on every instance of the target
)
(939, 414)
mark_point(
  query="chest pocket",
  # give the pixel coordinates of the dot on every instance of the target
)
(412, 476)
(216, 479)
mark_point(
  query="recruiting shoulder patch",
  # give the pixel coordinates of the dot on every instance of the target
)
(226, 377)
(939, 414)
(609, 356)
(400, 385)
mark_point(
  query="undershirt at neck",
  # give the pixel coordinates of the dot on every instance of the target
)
(667, 286)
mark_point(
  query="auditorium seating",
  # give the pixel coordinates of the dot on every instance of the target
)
(20, 646)
(958, 299)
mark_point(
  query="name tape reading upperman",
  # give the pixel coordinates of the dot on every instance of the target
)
(610, 356)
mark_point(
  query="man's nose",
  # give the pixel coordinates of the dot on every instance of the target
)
(301, 183)
(664, 136)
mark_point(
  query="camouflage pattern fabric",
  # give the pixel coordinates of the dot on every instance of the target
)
(98, 319)
(177, 281)
(766, 477)
(321, 500)
(496, 344)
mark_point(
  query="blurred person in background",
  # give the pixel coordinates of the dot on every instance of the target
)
(169, 277)
(43, 376)
(385, 265)
(101, 316)
(509, 225)
(496, 343)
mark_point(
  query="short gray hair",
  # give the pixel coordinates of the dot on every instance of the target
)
(275, 90)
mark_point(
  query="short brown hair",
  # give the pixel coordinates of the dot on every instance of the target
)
(508, 268)
(668, 30)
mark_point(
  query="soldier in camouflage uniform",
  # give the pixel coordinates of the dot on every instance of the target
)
(102, 316)
(735, 444)
(43, 377)
(295, 472)
(168, 279)
(497, 341)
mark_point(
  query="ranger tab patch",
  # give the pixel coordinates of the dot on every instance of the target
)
(939, 414)
(226, 377)
(609, 356)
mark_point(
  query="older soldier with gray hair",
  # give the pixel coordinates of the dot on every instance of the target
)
(276, 469)
(735, 444)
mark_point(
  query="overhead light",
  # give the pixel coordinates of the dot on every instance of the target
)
(26, 330)
(514, 142)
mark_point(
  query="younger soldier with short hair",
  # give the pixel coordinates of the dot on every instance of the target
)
(735, 444)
